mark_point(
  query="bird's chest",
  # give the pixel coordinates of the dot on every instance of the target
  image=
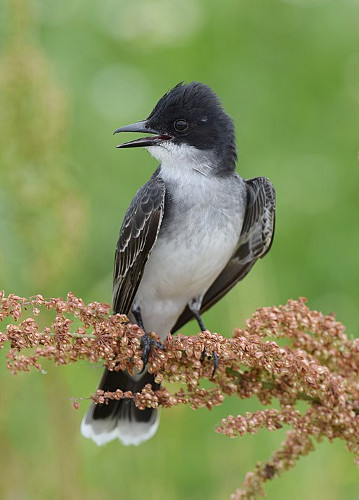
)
(198, 235)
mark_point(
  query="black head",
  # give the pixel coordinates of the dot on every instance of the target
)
(190, 115)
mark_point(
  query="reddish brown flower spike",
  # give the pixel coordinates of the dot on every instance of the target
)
(320, 366)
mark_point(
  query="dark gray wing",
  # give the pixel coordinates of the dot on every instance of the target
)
(254, 242)
(138, 234)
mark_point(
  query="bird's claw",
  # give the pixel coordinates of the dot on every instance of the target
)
(214, 357)
(146, 343)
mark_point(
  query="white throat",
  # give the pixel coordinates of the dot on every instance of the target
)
(181, 161)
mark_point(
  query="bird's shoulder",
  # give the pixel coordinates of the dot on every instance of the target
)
(148, 200)
(259, 219)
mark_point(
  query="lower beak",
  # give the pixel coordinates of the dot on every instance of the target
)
(144, 141)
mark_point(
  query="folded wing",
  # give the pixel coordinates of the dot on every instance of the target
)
(138, 234)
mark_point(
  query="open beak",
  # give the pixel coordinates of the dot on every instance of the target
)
(142, 127)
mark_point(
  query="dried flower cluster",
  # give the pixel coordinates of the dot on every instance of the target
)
(320, 365)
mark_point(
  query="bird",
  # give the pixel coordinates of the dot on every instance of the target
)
(192, 232)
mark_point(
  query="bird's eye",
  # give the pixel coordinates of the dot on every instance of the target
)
(181, 125)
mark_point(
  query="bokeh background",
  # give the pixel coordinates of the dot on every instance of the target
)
(73, 71)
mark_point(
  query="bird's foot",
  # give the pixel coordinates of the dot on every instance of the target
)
(147, 342)
(214, 357)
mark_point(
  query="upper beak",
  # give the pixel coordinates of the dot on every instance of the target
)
(144, 141)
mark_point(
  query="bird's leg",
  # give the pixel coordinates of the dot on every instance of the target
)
(199, 320)
(146, 341)
(214, 357)
(136, 311)
(195, 307)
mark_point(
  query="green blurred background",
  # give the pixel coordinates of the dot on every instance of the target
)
(73, 71)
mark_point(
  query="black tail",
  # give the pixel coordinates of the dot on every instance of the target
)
(121, 419)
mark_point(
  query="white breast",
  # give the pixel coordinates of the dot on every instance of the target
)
(193, 247)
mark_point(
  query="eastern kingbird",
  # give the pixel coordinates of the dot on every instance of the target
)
(191, 233)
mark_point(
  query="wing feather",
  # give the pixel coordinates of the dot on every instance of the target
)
(138, 234)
